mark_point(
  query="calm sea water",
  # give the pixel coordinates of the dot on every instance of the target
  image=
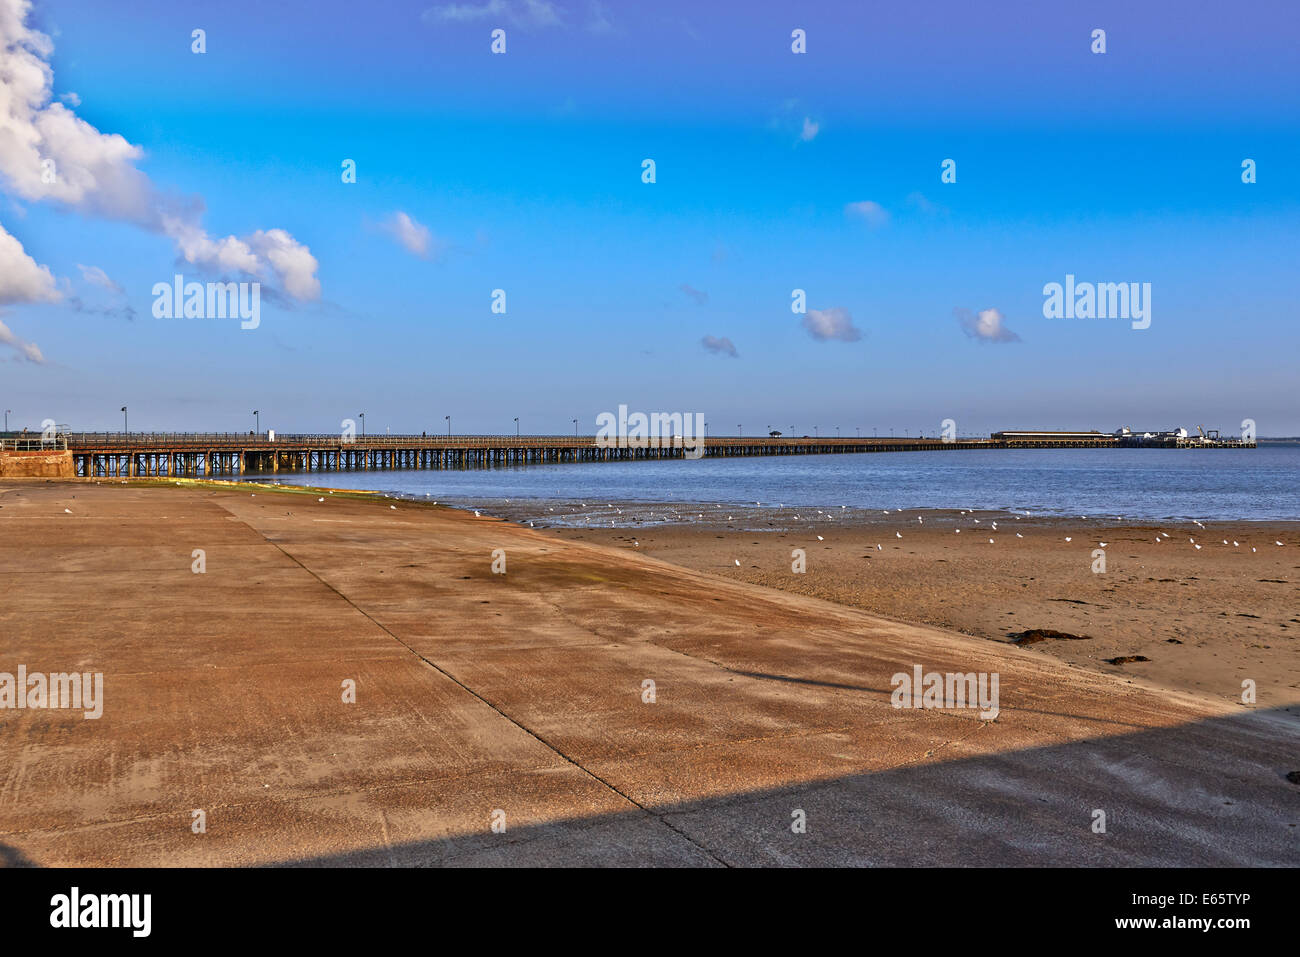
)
(1262, 483)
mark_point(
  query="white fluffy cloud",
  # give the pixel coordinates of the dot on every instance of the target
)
(290, 260)
(22, 279)
(986, 326)
(810, 128)
(49, 154)
(831, 324)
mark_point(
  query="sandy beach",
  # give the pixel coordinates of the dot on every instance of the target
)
(1204, 619)
(589, 705)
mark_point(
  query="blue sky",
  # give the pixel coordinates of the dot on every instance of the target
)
(525, 168)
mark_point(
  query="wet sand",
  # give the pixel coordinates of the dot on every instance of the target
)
(522, 699)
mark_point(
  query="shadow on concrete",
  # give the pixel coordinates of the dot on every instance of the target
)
(1212, 793)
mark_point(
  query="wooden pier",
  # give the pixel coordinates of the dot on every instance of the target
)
(214, 454)
(232, 454)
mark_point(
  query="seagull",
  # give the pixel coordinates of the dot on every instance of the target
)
(1234, 544)
(900, 535)
(1103, 544)
(737, 561)
(1018, 535)
(820, 539)
(879, 549)
(1198, 548)
(1277, 543)
(1067, 539)
(476, 514)
(990, 541)
(393, 507)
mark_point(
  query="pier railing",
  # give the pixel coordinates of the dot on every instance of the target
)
(227, 440)
(260, 440)
(33, 443)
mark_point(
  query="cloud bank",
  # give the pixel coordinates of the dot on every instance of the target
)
(49, 154)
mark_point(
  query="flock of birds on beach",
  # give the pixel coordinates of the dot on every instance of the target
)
(567, 516)
(676, 518)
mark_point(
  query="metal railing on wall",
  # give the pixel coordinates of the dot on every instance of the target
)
(34, 443)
